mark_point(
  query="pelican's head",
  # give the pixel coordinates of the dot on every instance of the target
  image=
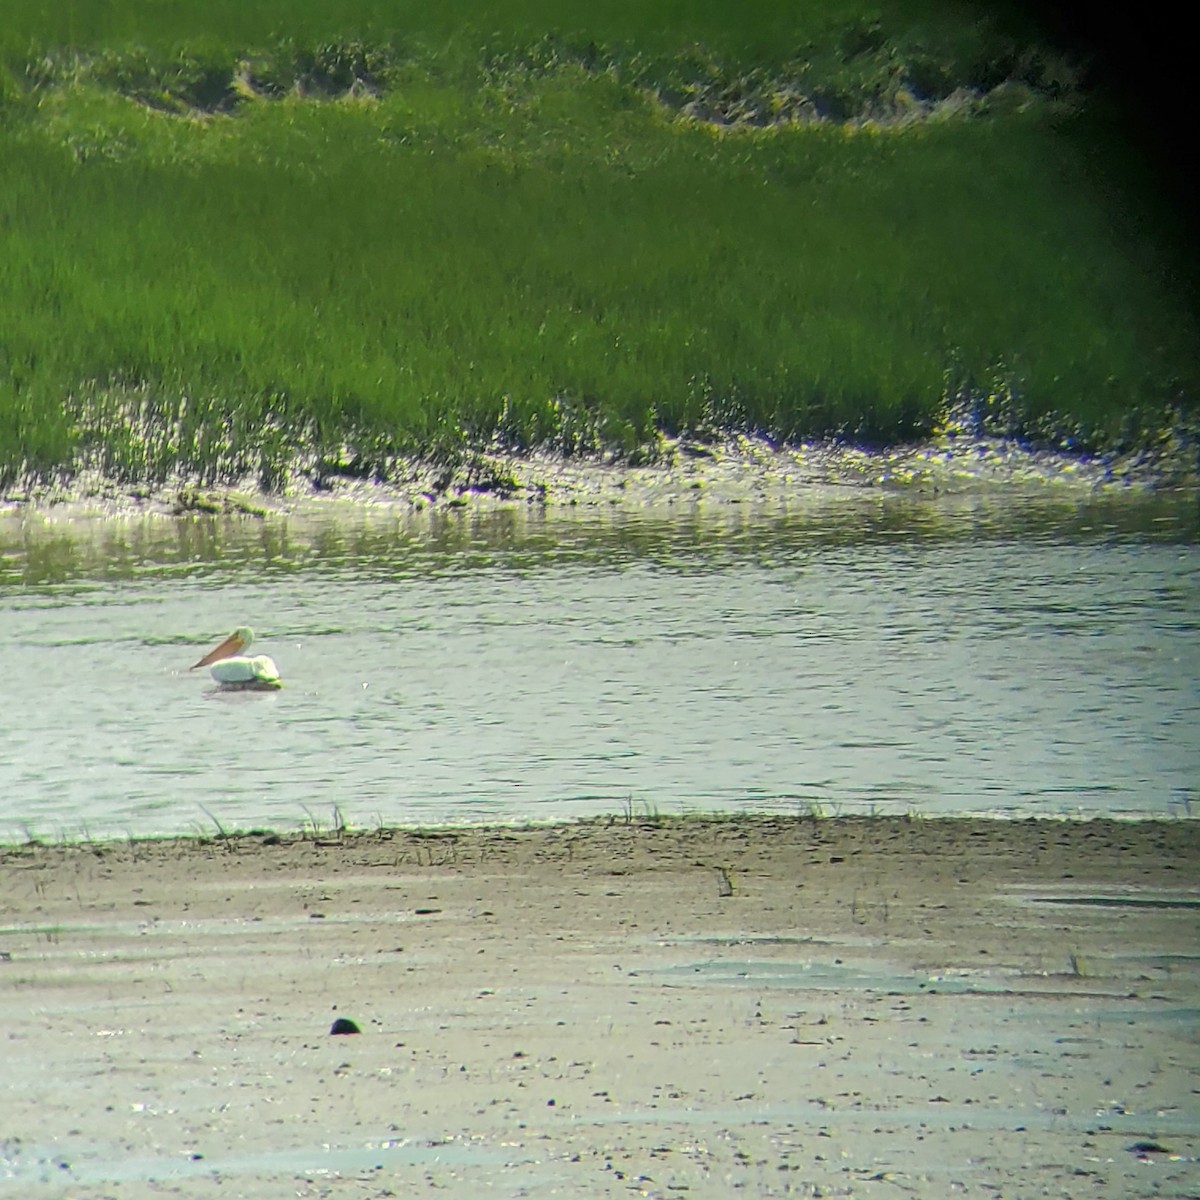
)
(235, 643)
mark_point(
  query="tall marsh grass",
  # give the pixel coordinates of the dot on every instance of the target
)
(490, 241)
(772, 32)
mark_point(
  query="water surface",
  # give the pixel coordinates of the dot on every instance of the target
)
(882, 654)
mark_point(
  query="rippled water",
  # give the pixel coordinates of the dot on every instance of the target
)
(877, 654)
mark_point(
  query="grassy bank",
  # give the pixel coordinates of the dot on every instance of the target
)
(242, 236)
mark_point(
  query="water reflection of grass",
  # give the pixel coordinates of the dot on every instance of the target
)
(75, 555)
(500, 233)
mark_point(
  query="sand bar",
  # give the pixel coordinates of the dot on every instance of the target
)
(665, 1008)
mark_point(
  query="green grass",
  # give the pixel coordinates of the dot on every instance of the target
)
(511, 233)
(775, 30)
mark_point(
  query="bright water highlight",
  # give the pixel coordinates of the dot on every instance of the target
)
(877, 654)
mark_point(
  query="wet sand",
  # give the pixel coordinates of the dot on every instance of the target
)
(687, 1008)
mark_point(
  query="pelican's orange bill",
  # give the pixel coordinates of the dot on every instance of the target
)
(229, 647)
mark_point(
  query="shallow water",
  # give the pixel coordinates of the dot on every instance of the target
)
(875, 653)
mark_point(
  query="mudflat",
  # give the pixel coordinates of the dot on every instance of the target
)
(691, 1008)
(736, 469)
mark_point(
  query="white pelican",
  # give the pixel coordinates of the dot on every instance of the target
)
(233, 669)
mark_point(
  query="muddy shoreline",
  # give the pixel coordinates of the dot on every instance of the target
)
(738, 470)
(698, 1007)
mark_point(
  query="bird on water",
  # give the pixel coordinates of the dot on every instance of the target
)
(232, 668)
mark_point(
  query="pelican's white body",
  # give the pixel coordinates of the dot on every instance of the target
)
(233, 669)
(240, 671)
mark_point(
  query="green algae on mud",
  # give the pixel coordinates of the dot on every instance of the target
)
(712, 474)
(384, 242)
